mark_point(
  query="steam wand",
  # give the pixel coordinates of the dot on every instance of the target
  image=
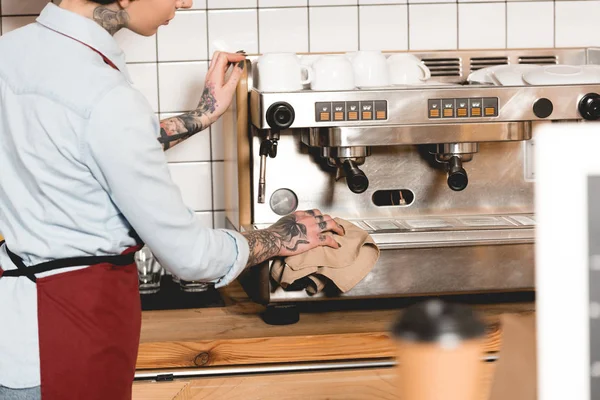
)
(268, 147)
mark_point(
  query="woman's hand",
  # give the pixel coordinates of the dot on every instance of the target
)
(218, 92)
(293, 234)
(216, 98)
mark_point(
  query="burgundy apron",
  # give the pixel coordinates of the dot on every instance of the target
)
(89, 323)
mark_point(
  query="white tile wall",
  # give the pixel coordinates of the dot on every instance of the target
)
(482, 25)
(432, 26)
(169, 68)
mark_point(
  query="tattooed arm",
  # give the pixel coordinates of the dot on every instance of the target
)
(177, 129)
(293, 234)
(215, 99)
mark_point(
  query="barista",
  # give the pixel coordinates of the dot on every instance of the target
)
(84, 184)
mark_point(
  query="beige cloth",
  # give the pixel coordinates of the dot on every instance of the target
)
(344, 267)
(516, 370)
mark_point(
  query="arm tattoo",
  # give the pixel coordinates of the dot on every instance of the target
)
(267, 243)
(175, 130)
(111, 20)
(263, 245)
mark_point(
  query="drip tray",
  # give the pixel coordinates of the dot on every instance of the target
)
(447, 231)
(441, 231)
(443, 223)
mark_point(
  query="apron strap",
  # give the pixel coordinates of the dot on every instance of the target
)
(30, 272)
(106, 59)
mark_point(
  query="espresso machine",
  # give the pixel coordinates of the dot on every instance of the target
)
(441, 175)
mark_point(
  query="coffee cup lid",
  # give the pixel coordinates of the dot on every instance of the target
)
(438, 321)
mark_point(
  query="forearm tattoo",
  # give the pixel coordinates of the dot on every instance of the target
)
(175, 130)
(286, 233)
(111, 20)
(263, 245)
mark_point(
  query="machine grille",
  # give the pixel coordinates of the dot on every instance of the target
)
(483, 62)
(538, 60)
(443, 66)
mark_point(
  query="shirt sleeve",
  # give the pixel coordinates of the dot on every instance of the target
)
(125, 156)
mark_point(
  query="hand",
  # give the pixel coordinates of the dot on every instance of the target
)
(305, 230)
(215, 100)
(293, 234)
(218, 93)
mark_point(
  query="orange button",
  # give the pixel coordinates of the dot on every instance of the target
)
(380, 115)
(367, 115)
(325, 116)
(434, 113)
(353, 115)
(490, 111)
(338, 116)
(461, 112)
(448, 112)
(476, 112)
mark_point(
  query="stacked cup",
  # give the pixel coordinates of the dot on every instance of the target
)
(365, 69)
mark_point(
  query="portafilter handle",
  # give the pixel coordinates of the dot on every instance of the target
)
(457, 176)
(356, 179)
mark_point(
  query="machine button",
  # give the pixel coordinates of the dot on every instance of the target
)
(490, 106)
(448, 108)
(434, 108)
(339, 111)
(352, 110)
(381, 109)
(589, 106)
(475, 107)
(542, 108)
(462, 108)
(366, 110)
(280, 116)
(323, 112)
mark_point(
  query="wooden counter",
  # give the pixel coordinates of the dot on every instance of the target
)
(235, 335)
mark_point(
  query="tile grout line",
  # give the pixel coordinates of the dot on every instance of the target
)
(554, 24)
(506, 24)
(358, 25)
(407, 26)
(257, 28)
(308, 23)
(457, 26)
(157, 75)
(210, 129)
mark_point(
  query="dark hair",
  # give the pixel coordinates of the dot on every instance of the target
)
(104, 2)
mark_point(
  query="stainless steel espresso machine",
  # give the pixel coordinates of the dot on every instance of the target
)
(440, 175)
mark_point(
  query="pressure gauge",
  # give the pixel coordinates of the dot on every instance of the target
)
(283, 202)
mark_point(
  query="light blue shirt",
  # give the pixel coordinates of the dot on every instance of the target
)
(80, 165)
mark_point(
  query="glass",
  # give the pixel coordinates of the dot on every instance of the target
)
(149, 271)
(194, 286)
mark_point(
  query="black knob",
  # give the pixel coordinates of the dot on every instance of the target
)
(589, 106)
(542, 108)
(457, 176)
(356, 180)
(280, 116)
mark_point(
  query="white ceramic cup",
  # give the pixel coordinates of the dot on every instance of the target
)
(332, 72)
(370, 69)
(281, 72)
(406, 69)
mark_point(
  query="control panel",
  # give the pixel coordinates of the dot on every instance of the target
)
(463, 108)
(337, 111)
